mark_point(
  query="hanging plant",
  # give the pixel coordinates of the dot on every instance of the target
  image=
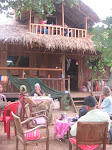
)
(68, 63)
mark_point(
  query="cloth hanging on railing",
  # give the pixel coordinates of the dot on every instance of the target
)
(3, 78)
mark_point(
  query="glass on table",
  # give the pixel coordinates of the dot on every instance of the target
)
(69, 119)
(49, 95)
(35, 95)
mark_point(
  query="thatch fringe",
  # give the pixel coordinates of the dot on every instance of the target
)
(17, 33)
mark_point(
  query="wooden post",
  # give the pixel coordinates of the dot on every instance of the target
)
(62, 15)
(30, 20)
(63, 72)
(69, 83)
(86, 25)
(22, 73)
(91, 86)
(79, 72)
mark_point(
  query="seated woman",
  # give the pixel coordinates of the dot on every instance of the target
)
(37, 91)
(3, 100)
(24, 98)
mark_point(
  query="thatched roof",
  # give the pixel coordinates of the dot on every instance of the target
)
(15, 33)
(77, 14)
(74, 17)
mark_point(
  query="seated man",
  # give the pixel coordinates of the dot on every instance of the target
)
(37, 91)
(82, 111)
(93, 115)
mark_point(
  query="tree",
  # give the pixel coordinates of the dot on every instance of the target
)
(102, 38)
(40, 6)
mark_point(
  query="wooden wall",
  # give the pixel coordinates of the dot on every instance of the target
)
(47, 60)
(3, 58)
(85, 73)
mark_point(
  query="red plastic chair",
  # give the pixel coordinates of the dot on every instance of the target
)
(7, 117)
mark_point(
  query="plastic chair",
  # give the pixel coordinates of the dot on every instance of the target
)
(30, 136)
(90, 135)
(7, 117)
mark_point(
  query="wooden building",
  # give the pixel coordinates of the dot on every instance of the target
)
(55, 57)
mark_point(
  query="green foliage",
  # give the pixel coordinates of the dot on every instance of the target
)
(42, 7)
(102, 38)
(66, 101)
(96, 64)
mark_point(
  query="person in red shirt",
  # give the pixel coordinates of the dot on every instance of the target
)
(43, 22)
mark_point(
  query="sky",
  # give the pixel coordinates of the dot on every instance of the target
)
(100, 7)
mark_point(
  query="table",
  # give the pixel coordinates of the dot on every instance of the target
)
(39, 99)
(61, 127)
(45, 106)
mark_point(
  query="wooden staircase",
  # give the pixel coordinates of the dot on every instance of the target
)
(77, 99)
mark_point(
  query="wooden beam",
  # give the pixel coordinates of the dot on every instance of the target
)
(17, 61)
(83, 13)
(23, 68)
(26, 53)
(62, 15)
(30, 20)
(67, 16)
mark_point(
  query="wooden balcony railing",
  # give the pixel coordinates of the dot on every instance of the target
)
(47, 29)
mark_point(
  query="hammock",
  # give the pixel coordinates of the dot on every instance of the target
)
(30, 82)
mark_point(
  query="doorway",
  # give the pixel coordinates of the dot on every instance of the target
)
(71, 68)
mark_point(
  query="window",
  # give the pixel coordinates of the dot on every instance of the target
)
(23, 61)
(51, 20)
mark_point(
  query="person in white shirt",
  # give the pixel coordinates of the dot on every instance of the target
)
(105, 101)
(93, 114)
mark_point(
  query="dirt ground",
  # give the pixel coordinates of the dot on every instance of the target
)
(54, 144)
